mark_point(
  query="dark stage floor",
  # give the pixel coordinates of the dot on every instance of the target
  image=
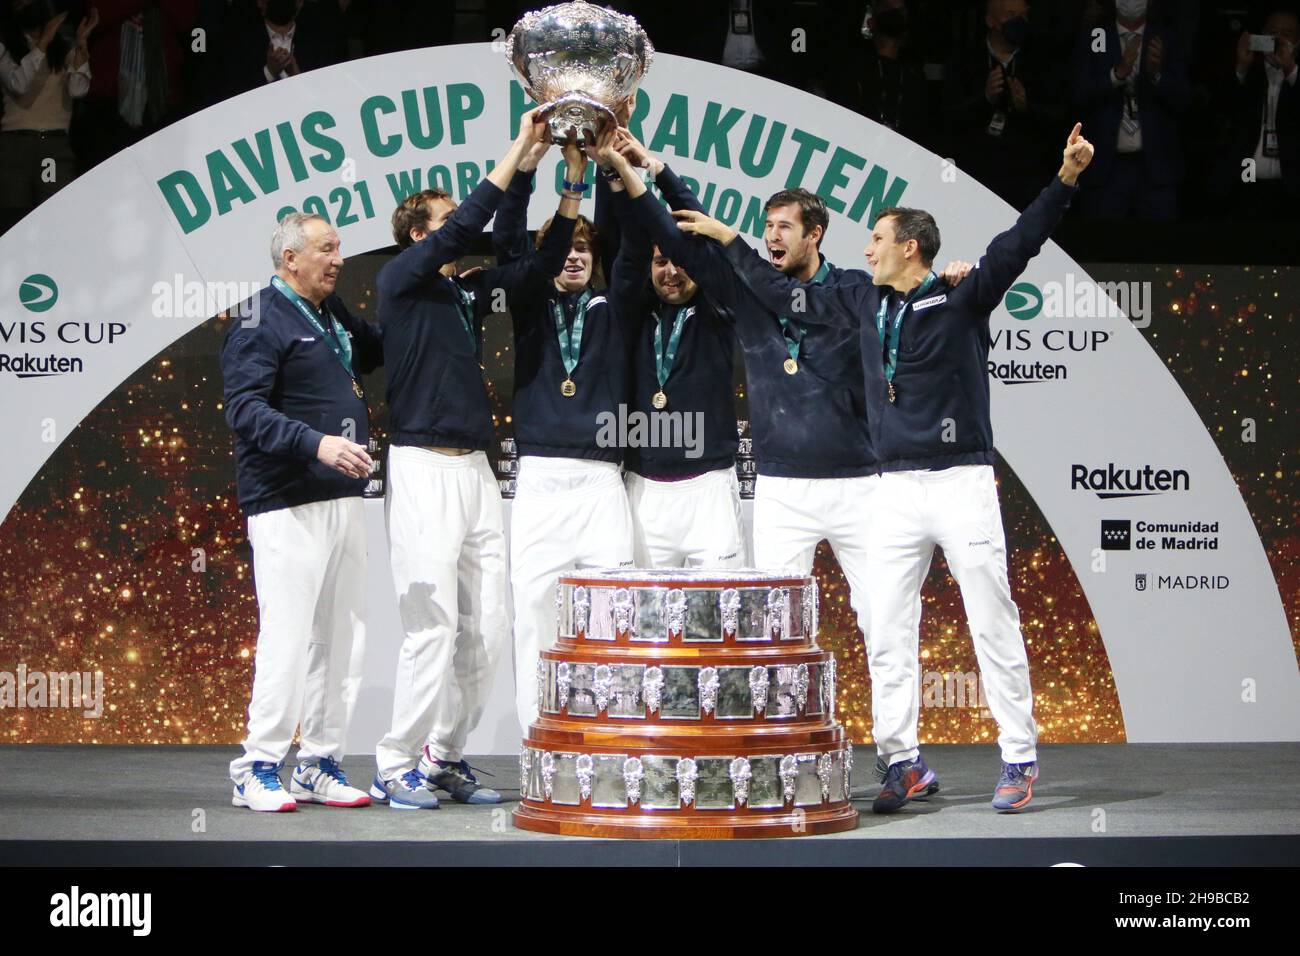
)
(1203, 804)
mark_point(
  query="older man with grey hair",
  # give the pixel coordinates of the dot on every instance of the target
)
(294, 399)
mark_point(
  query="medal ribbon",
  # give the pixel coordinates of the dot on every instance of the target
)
(664, 359)
(338, 342)
(570, 341)
(793, 333)
(889, 334)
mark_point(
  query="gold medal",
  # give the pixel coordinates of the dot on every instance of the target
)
(568, 389)
(660, 400)
(791, 366)
(356, 388)
(893, 394)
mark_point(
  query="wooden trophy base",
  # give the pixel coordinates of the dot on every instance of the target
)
(701, 825)
(685, 704)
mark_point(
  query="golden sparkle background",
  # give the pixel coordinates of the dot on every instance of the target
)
(127, 554)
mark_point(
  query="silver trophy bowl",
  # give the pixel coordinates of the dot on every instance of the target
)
(581, 62)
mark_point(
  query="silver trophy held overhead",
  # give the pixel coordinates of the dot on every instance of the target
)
(581, 62)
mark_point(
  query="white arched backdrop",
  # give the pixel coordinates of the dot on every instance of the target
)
(1202, 652)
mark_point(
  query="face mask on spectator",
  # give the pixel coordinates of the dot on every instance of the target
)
(1131, 9)
(890, 23)
(281, 12)
(1015, 30)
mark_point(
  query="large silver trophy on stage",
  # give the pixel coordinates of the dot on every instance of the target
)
(581, 62)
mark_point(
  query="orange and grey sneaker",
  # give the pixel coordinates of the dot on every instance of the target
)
(1015, 787)
(882, 771)
(904, 781)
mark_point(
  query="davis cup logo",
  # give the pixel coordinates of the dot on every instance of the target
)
(1023, 301)
(1078, 297)
(38, 293)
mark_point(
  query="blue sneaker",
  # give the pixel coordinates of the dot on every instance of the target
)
(261, 790)
(410, 791)
(882, 771)
(457, 779)
(1015, 787)
(903, 781)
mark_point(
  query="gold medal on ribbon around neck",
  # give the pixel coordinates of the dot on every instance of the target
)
(893, 394)
(790, 366)
(356, 388)
(660, 400)
(568, 389)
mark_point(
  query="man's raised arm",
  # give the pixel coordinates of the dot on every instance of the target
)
(835, 304)
(544, 263)
(628, 294)
(1010, 251)
(703, 260)
(510, 227)
(422, 261)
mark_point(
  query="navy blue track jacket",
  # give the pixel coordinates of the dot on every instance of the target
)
(699, 380)
(811, 424)
(436, 394)
(941, 417)
(284, 391)
(547, 423)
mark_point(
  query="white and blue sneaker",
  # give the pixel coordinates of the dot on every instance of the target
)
(410, 791)
(324, 782)
(261, 790)
(457, 779)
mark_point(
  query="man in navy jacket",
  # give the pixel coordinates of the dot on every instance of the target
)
(1132, 87)
(924, 364)
(570, 508)
(443, 507)
(294, 400)
(806, 406)
(682, 487)
(816, 464)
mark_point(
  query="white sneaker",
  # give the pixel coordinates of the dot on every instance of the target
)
(261, 790)
(325, 782)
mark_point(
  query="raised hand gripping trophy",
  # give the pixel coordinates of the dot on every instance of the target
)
(581, 62)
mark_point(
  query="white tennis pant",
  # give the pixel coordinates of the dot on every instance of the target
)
(309, 569)
(793, 515)
(568, 513)
(691, 523)
(957, 509)
(446, 542)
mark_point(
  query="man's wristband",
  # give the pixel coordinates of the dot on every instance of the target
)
(578, 187)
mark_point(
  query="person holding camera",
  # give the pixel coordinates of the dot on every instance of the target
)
(1261, 102)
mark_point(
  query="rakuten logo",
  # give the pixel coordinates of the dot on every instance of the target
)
(1112, 481)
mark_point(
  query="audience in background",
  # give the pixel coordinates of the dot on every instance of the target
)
(271, 43)
(42, 70)
(1260, 167)
(877, 69)
(138, 77)
(1170, 92)
(1002, 104)
(1131, 90)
